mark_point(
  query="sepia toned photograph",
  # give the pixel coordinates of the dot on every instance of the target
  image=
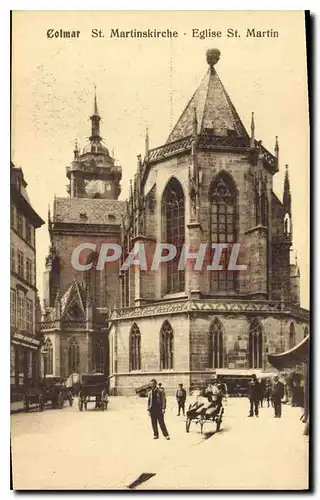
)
(159, 295)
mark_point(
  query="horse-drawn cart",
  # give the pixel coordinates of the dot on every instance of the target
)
(49, 389)
(93, 388)
(33, 396)
(56, 391)
(202, 411)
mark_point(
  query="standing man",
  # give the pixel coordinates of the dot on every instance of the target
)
(181, 396)
(254, 396)
(156, 409)
(277, 395)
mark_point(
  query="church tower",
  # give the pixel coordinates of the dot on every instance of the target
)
(78, 303)
(94, 173)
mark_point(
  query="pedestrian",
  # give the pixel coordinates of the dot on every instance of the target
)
(254, 395)
(181, 396)
(160, 386)
(268, 391)
(156, 409)
(261, 392)
(277, 395)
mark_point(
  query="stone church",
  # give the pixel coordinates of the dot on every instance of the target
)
(211, 182)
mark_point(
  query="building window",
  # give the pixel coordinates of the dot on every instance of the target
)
(13, 307)
(223, 229)
(166, 347)
(13, 259)
(13, 216)
(28, 232)
(20, 264)
(135, 348)
(22, 320)
(292, 336)
(20, 224)
(48, 358)
(73, 357)
(29, 275)
(29, 304)
(173, 208)
(98, 357)
(216, 345)
(306, 332)
(94, 281)
(255, 345)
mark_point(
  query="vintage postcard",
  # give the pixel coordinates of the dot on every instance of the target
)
(160, 250)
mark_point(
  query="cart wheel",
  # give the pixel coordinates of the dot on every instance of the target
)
(60, 401)
(41, 402)
(80, 404)
(188, 423)
(26, 404)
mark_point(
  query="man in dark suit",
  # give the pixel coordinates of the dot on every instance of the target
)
(156, 409)
(277, 395)
(181, 396)
(254, 395)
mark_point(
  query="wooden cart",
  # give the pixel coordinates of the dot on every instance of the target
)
(203, 412)
(93, 389)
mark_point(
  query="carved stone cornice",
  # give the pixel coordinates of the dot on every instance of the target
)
(211, 306)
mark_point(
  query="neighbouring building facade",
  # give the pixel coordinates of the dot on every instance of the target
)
(211, 182)
(77, 304)
(24, 301)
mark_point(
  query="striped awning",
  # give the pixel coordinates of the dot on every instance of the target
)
(298, 354)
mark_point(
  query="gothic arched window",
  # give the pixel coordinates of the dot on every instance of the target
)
(255, 345)
(135, 348)
(48, 358)
(292, 336)
(216, 344)
(173, 208)
(306, 332)
(166, 346)
(94, 281)
(98, 357)
(223, 229)
(73, 357)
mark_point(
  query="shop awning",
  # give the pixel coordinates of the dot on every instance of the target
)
(298, 354)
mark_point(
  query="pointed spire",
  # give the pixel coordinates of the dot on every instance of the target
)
(95, 120)
(286, 192)
(147, 144)
(195, 122)
(76, 150)
(276, 151)
(95, 105)
(252, 126)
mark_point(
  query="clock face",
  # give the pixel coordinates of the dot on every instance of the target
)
(95, 187)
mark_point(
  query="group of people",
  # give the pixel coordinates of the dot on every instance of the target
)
(271, 392)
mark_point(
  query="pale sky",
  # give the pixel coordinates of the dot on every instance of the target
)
(147, 83)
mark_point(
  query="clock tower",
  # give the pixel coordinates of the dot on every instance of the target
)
(77, 302)
(94, 173)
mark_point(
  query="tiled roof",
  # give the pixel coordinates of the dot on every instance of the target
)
(88, 211)
(214, 110)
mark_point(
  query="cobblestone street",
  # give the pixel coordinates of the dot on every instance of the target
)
(66, 449)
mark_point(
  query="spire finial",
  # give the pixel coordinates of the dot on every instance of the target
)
(95, 105)
(252, 125)
(147, 144)
(76, 149)
(213, 56)
(195, 121)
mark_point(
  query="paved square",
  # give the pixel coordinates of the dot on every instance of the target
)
(66, 449)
